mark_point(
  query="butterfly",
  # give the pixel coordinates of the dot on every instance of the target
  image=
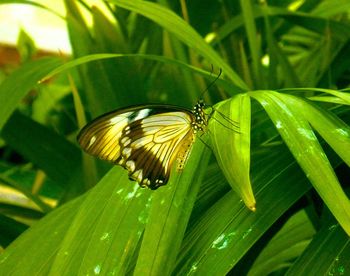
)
(145, 139)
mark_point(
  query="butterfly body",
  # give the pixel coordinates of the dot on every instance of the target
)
(146, 139)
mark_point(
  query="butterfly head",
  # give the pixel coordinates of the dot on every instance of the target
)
(200, 121)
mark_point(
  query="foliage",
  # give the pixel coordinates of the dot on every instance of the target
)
(285, 72)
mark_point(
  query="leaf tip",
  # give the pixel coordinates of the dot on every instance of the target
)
(252, 208)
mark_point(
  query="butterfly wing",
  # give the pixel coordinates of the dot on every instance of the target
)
(144, 140)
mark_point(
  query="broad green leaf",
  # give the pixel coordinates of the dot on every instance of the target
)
(292, 124)
(111, 219)
(229, 127)
(79, 236)
(331, 128)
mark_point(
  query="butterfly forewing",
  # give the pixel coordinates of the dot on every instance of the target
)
(101, 137)
(144, 140)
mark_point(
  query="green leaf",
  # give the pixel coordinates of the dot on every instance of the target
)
(9, 230)
(80, 235)
(18, 84)
(277, 58)
(184, 32)
(17, 185)
(292, 124)
(252, 36)
(285, 246)
(335, 132)
(345, 97)
(328, 254)
(26, 46)
(109, 37)
(229, 128)
(111, 217)
(43, 147)
(52, 227)
(221, 236)
(169, 215)
(88, 58)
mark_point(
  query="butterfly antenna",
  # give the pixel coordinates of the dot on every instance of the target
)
(227, 119)
(233, 123)
(211, 84)
(200, 138)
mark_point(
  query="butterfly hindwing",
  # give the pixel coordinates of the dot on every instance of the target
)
(149, 146)
(145, 140)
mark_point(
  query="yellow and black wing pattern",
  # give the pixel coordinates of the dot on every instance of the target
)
(145, 140)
